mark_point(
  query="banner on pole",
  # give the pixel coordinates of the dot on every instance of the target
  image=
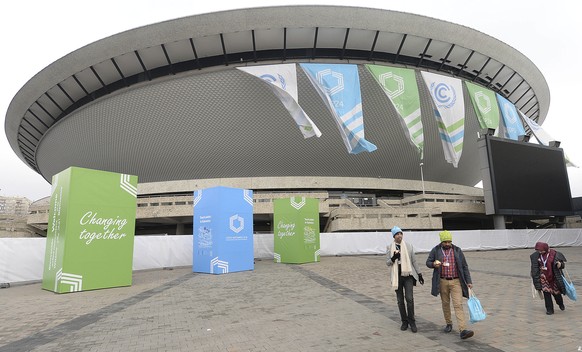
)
(485, 106)
(399, 85)
(512, 126)
(542, 136)
(339, 87)
(447, 95)
(282, 80)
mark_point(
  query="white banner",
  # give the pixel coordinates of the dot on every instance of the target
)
(542, 136)
(282, 79)
(447, 95)
(21, 259)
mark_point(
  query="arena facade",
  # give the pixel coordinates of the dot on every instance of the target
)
(168, 102)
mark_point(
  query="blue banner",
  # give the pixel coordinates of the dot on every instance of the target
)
(223, 230)
(339, 87)
(512, 126)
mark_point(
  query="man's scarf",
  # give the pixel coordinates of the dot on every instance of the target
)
(405, 265)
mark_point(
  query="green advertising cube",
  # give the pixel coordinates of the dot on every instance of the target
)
(296, 225)
(90, 231)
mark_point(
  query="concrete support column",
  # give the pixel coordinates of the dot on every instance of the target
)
(179, 229)
(499, 222)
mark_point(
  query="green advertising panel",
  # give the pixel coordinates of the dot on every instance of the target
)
(296, 223)
(90, 231)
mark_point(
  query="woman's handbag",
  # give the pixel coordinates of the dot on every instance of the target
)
(570, 289)
(476, 312)
(536, 293)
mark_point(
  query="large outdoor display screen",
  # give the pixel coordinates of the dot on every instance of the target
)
(527, 179)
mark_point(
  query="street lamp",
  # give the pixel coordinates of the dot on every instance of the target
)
(422, 178)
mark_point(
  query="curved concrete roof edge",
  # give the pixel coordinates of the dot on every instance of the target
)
(269, 17)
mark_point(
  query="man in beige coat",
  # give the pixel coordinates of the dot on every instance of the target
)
(404, 274)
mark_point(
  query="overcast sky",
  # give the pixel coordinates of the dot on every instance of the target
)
(36, 33)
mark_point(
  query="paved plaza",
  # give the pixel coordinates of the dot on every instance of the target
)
(339, 304)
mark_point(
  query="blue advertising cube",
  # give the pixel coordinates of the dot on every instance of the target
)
(223, 230)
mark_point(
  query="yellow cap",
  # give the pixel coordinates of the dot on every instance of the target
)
(446, 236)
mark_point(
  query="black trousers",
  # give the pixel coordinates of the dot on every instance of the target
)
(404, 294)
(548, 300)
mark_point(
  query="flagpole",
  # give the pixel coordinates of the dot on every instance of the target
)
(422, 178)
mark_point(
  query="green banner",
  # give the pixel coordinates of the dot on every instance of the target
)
(485, 105)
(399, 85)
(296, 223)
(90, 231)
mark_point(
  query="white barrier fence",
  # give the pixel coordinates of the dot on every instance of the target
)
(22, 259)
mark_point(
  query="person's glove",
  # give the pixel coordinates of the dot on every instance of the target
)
(420, 279)
(395, 256)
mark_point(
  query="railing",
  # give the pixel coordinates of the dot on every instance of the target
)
(419, 211)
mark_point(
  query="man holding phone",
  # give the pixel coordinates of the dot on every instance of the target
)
(404, 274)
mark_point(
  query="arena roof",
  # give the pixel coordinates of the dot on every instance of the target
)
(165, 101)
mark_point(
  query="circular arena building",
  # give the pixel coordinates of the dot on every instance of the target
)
(167, 102)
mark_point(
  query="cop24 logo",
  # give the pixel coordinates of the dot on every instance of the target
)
(333, 84)
(273, 80)
(444, 94)
(237, 223)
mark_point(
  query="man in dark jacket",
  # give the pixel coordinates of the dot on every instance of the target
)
(451, 279)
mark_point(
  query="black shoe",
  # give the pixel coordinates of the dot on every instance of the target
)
(404, 325)
(549, 312)
(562, 307)
(448, 328)
(465, 334)
(413, 327)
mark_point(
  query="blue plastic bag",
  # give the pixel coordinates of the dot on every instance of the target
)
(476, 312)
(570, 289)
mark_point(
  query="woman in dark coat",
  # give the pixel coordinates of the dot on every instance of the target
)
(546, 273)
